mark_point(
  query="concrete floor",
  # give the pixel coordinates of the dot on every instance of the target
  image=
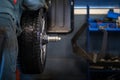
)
(60, 69)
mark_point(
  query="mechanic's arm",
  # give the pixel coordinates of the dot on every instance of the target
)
(33, 4)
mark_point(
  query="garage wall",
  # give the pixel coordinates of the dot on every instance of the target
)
(97, 3)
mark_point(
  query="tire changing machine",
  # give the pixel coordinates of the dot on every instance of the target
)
(56, 18)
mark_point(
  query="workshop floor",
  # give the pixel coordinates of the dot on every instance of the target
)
(58, 69)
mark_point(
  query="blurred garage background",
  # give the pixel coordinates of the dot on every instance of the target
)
(62, 63)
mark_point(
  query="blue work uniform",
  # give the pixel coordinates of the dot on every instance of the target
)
(10, 14)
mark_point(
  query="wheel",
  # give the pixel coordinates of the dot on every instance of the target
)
(32, 50)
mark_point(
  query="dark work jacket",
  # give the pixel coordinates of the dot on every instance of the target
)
(15, 10)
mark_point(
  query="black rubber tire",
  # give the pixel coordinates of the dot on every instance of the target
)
(29, 44)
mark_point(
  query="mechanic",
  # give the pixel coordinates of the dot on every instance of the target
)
(10, 14)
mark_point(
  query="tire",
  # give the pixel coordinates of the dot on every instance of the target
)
(32, 51)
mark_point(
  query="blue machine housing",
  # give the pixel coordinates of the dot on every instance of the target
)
(93, 26)
(108, 26)
(112, 14)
